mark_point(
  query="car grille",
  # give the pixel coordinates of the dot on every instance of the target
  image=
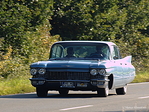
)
(68, 76)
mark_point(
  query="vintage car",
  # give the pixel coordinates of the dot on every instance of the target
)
(83, 65)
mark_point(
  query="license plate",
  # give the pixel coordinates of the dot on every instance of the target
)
(81, 84)
(68, 84)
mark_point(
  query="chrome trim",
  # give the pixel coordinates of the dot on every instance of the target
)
(67, 87)
(67, 75)
(37, 79)
(100, 80)
(42, 79)
(67, 80)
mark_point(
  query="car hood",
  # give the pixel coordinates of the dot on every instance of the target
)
(68, 64)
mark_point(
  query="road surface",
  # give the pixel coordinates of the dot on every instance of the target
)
(136, 100)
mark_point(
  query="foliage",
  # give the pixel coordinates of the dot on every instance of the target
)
(125, 22)
(141, 77)
(15, 85)
(14, 71)
(18, 17)
(24, 34)
(37, 49)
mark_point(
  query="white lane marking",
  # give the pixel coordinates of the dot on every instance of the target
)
(72, 108)
(143, 97)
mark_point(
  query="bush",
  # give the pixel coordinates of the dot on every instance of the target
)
(14, 71)
(38, 47)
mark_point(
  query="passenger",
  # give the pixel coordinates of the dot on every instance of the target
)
(70, 52)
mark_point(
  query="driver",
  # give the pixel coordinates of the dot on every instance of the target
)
(70, 52)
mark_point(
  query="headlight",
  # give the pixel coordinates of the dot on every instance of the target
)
(93, 72)
(42, 71)
(102, 71)
(33, 71)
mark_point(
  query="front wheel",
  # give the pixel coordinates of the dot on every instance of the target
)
(121, 91)
(103, 92)
(41, 92)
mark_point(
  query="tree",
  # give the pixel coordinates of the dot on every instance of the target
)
(136, 41)
(20, 18)
(87, 19)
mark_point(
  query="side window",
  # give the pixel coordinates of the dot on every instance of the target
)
(57, 51)
(115, 53)
(106, 52)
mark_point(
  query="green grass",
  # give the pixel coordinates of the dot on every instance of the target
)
(22, 84)
(142, 77)
(15, 86)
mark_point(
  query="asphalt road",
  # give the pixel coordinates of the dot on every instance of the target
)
(136, 100)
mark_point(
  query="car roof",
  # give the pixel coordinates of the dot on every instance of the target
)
(80, 41)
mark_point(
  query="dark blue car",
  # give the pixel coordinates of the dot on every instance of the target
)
(83, 65)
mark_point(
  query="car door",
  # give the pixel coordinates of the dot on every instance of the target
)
(118, 66)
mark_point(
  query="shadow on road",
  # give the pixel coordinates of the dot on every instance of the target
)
(50, 95)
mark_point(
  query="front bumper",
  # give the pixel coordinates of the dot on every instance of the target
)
(92, 84)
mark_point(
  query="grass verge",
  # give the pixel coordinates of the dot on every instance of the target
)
(142, 77)
(15, 86)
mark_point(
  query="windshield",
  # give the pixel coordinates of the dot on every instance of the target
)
(80, 51)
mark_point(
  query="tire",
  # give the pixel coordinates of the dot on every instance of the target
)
(121, 91)
(103, 92)
(41, 92)
(63, 92)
